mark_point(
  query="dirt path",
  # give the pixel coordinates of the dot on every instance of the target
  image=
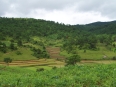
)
(40, 62)
(98, 62)
(53, 62)
(54, 52)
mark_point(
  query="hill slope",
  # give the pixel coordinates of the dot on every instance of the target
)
(100, 27)
(27, 38)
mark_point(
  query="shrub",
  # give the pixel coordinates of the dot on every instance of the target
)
(114, 58)
(72, 60)
(18, 53)
(7, 60)
(54, 67)
(3, 50)
(40, 69)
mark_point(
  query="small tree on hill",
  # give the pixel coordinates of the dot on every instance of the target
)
(7, 60)
(19, 43)
(72, 60)
(3, 47)
(12, 47)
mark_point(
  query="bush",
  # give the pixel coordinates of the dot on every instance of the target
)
(54, 67)
(12, 46)
(40, 69)
(72, 60)
(3, 50)
(7, 60)
(18, 53)
(114, 58)
(38, 53)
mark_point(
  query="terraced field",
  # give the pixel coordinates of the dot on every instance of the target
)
(40, 62)
(53, 61)
(55, 53)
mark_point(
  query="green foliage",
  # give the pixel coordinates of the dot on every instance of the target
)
(18, 53)
(19, 43)
(72, 60)
(114, 58)
(7, 60)
(100, 75)
(40, 69)
(12, 46)
(54, 67)
(39, 53)
(3, 47)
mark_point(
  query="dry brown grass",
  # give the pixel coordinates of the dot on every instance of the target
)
(98, 62)
(53, 62)
(34, 62)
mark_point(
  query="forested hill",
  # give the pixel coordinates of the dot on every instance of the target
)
(24, 28)
(101, 23)
(29, 37)
(99, 27)
(36, 34)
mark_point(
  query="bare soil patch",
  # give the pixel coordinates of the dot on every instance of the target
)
(34, 62)
(53, 62)
(54, 52)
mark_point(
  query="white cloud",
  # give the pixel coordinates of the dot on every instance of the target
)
(65, 11)
(69, 16)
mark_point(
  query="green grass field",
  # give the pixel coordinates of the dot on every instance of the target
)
(93, 55)
(99, 75)
(26, 54)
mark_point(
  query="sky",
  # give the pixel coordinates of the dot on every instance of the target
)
(62, 11)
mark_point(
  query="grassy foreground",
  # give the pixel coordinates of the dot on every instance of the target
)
(99, 75)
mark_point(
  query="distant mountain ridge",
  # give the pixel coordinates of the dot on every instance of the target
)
(99, 27)
(99, 23)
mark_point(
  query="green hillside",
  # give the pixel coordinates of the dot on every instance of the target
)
(40, 53)
(99, 27)
(28, 38)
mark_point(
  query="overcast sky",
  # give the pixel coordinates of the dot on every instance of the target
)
(62, 11)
